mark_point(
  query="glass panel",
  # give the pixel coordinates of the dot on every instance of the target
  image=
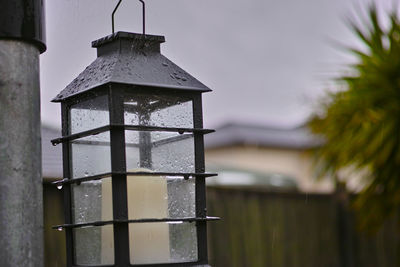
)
(92, 201)
(159, 151)
(162, 242)
(94, 245)
(89, 114)
(91, 155)
(160, 197)
(158, 110)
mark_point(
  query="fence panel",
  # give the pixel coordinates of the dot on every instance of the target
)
(261, 228)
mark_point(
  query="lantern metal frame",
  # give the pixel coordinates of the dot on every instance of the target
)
(116, 127)
(119, 174)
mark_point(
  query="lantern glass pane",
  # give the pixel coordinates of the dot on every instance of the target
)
(158, 110)
(92, 201)
(89, 114)
(162, 242)
(160, 197)
(91, 155)
(159, 151)
(94, 245)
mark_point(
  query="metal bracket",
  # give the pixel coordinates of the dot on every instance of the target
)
(143, 15)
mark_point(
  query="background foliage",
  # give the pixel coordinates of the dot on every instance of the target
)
(361, 124)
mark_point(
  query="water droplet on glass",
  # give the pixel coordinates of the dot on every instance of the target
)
(176, 222)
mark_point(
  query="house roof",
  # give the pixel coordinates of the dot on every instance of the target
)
(233, 134)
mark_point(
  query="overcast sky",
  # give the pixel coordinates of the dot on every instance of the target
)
(266, 60)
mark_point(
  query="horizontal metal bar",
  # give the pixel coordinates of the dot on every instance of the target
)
(82, 179)
(80, 135)
(172, 264)
(147, 220)
(186, 175)
(153, 144)
(129, 127)
(165, 129)
(171, 140)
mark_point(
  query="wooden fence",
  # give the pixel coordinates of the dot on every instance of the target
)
(261, 228)
(267, 229)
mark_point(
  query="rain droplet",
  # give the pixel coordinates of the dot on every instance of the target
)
(59, 187)
(59, 229)
(176, 222)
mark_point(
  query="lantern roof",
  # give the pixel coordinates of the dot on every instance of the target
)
(131, 59)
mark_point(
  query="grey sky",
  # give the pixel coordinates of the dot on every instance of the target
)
(266, 60)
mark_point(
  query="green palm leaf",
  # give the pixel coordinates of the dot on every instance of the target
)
(361, 125)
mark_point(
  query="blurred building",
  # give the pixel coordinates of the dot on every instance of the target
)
(276, 155)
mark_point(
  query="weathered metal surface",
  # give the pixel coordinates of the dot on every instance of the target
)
(23, 20)
(21, 212)
(133, 59)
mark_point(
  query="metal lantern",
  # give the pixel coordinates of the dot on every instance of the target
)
(133, 156)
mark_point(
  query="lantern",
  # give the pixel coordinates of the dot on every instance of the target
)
(133, 158)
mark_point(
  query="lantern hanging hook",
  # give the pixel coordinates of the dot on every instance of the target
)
(143, 15)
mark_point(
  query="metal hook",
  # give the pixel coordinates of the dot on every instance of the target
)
(112, 16)
(143, 15)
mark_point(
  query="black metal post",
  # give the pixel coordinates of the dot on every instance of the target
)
(201, 208)
(119, 183)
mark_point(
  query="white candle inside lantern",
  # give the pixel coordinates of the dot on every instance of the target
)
(148, 198)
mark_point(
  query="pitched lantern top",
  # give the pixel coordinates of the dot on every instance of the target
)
(133, 59)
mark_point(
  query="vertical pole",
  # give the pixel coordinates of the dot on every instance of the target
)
(21, 214)
(21, 211)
